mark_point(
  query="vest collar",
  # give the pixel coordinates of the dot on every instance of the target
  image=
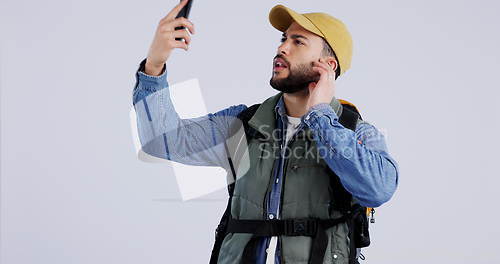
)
(264, 119)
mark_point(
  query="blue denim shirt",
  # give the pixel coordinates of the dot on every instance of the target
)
(366, 170)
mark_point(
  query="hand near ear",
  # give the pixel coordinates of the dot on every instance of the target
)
(324, 90)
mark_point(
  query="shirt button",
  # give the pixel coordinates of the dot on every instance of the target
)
(267, 250)
(334, 256)
(271, 216)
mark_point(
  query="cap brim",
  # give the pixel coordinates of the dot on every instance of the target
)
(281, 17)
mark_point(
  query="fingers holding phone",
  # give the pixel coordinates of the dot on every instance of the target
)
(181, 23)
(168, 38)
(184, 12)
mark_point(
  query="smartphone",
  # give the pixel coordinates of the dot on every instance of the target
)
(184, 13)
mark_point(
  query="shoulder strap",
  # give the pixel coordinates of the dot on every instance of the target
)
(245, 116)
(221, 230)
(358, 224)
(349, 117)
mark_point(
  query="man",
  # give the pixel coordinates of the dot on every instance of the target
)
(288, 183)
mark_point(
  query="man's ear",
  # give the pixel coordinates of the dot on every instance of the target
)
(332, 62)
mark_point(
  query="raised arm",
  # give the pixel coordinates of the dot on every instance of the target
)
(162, 133)
(360, 158)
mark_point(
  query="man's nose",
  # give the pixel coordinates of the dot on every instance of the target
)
(283, 48)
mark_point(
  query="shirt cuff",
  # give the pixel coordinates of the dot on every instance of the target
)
(318, 111)
(147, 84)
(150, 80)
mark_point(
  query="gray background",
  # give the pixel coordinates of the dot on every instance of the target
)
(72, 190)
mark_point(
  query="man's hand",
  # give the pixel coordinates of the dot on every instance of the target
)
(164, 40)
(324, 90)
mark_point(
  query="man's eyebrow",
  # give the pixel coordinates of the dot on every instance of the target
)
(295, 36)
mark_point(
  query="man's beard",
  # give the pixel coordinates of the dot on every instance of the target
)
(297, 80)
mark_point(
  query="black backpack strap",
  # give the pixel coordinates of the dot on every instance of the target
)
(349, 117)
(358, 223)
(248, 113)
(312, 227)
(221, 230)
(245, 116)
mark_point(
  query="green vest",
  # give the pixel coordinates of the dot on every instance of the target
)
(306, 191)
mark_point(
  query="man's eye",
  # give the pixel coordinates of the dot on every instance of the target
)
(298, 42)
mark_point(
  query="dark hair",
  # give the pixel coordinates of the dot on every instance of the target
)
(328, 51)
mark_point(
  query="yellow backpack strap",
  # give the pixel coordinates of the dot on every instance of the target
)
(345, 102)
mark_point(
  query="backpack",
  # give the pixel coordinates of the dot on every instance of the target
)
(355, 215)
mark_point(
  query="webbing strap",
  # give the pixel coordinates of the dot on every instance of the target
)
(315, 228)
(249, 256)
(349, 118)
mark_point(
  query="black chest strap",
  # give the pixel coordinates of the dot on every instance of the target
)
(314, 228)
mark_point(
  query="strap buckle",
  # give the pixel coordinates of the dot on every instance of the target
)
(300, 227)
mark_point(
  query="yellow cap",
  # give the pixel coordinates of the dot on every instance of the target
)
(331, 29)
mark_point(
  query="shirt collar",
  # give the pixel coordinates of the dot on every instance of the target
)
(280, 109)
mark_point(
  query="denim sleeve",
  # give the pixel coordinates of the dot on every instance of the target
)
(163, 134)
(360, 158)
